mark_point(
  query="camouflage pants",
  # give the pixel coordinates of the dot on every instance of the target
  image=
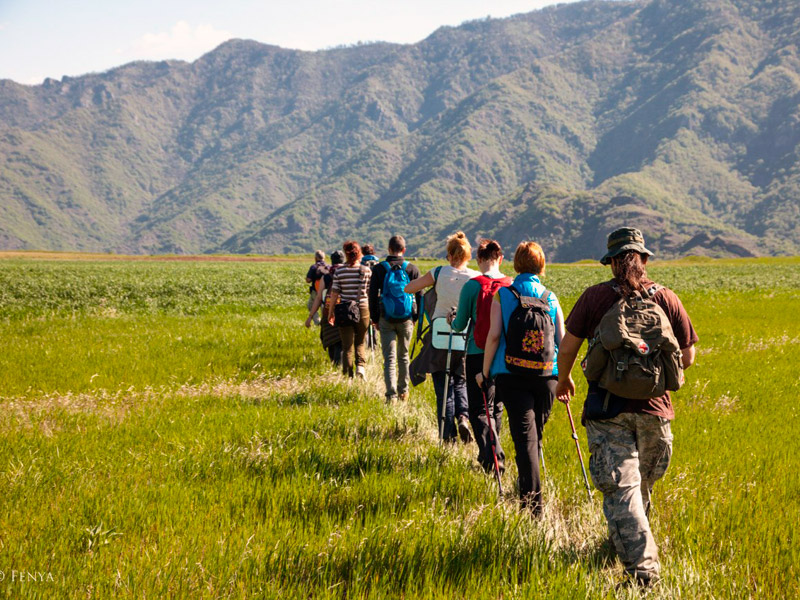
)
(629, 453)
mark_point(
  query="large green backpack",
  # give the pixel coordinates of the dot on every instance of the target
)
(634, 353)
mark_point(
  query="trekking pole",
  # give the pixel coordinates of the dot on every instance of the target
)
(371, 334)
(493, 437)
(442, 416)
(541, 456)
(578, 447)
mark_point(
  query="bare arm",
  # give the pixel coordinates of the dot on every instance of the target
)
(314, 307)
(687, 356)
(420, 283)
(492, 340)
(567, 353)
(334, 300)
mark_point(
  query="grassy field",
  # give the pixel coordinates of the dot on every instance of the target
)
(169, 429)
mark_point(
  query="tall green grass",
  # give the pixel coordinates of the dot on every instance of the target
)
(198, 445)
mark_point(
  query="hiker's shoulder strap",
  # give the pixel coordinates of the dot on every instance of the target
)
(654, 289)
(387, 265)
(484, 282)
(404, 266)
(436, 273)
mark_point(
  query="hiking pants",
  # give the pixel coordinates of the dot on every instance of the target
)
(456, 396)
(629, 453)
(528, 402)
(477, 414)
(395, 340)
(354, 343)
(335, 354)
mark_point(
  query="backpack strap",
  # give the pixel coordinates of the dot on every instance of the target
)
(362, 275)
(648, 292)
(545, 295)
(436, 274)
(654, 289)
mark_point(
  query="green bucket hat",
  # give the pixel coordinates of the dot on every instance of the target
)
(622, 239)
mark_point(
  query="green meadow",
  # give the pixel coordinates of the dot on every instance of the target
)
(169, 429)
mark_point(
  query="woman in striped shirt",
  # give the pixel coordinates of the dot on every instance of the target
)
(351, 284)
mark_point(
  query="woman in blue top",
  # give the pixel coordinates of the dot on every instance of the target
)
(528, 400)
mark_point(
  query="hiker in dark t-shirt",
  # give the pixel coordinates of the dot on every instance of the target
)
(630, 440)
(313, 277)
(328, 334)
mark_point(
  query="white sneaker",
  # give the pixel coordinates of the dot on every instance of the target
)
(360, 372)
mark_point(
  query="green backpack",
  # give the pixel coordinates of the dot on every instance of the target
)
(634, 353)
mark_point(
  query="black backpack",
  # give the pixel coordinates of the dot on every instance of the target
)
(530, 337)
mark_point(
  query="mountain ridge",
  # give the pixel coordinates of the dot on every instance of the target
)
(681, 119)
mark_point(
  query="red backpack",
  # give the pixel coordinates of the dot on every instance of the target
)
(483, 310)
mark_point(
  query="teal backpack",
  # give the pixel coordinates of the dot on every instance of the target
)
(396, 303)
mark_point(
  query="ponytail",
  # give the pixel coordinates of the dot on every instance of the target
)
(458, 247)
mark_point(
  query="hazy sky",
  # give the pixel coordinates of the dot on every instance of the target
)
(51, 38)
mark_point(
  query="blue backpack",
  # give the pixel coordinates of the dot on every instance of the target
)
(396, 303)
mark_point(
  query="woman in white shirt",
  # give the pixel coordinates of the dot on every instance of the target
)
(448, 281)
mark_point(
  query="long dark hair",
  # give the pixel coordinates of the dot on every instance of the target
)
(629, 271)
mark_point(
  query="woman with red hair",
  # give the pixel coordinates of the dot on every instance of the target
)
(528, 398)
(350, 287)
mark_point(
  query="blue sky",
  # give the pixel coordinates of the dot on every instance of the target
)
(53, 38)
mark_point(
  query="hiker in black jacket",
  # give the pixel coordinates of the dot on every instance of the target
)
(395, 332)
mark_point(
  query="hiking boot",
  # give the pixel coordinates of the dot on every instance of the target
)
(403, 397)
(391, 399)
(641, 580)
(463, 429)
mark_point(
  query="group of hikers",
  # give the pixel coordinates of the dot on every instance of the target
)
(491, 342)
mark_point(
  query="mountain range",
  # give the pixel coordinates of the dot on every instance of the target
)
(680, 118)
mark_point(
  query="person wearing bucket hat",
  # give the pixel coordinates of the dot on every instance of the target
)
(629, 436)
(623, 240)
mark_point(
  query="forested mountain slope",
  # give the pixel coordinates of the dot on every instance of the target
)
(681, 118)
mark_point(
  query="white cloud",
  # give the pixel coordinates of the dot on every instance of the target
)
(182, 41)
(4, 25)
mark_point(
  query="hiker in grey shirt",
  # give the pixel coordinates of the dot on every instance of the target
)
(448, 281)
